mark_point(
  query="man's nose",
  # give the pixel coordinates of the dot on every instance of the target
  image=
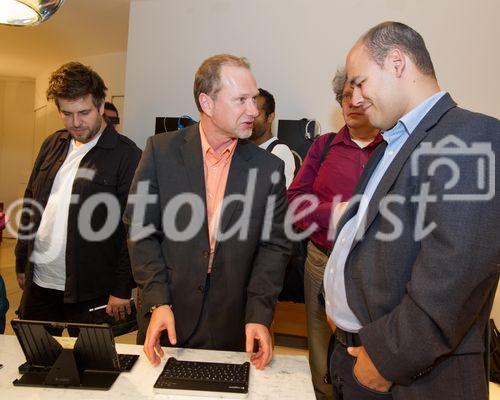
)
(357, 98)
(76, 121)
(252, 109)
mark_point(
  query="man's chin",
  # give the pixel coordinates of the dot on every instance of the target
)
(82, 137)
(244, 134)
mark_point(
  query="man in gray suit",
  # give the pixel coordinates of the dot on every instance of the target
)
(208, 247)
(414, 269)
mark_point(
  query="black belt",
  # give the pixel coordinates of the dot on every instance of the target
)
(347, 339)
(324, 250)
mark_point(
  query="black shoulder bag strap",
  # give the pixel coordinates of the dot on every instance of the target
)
(273, 145)
(327, 147)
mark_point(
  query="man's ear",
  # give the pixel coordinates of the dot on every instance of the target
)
(397, 62)
(270, 118)
(101, 108)
(206, 103)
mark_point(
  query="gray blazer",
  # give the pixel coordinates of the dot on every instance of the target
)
(424, 302)
(247, 273)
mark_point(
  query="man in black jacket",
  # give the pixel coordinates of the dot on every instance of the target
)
(71, 253)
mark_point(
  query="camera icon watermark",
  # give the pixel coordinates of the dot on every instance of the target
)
(471, 169)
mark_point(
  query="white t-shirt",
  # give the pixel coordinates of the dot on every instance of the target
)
(282, 151)
(362, 143)
(49, 252)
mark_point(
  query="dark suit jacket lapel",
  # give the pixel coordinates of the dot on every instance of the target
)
(419, 134)
(236, 181)
(192, 156)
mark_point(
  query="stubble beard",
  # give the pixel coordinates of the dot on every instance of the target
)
(89, 134)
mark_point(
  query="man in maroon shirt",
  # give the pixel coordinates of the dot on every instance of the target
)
(330, 175)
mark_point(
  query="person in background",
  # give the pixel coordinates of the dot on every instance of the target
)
(111, 114)
(330, 172)
(263, 137)
(61, 265)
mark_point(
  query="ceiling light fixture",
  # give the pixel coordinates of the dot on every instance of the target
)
(27, 12)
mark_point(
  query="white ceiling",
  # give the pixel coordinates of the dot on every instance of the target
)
(80, 28)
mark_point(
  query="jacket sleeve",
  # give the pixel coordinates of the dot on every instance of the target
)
(25, 233)
(123, 281)
(271, 258)
(143, 218)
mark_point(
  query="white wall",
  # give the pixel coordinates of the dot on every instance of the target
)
(16, 136)
(294, 47)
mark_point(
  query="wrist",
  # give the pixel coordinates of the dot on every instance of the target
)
(158, 306)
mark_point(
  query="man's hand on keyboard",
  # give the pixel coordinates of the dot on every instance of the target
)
(162, 319)
(260, 333)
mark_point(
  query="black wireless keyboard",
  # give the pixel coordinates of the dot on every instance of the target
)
(127, 361)
(196, 378)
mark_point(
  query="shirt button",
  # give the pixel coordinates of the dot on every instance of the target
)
(343, 240)
(200, 288)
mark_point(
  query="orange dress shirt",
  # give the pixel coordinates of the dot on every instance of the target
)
(216, 174)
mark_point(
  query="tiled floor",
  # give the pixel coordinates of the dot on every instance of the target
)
(7, 270)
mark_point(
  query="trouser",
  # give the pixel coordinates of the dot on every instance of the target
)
(203, 336)
(42, 304)
(318, 331)
(345, 384)
(142, 320)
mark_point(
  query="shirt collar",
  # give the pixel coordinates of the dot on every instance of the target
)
(343, 136)
(413, 118)
(207, 149)
(408, 122)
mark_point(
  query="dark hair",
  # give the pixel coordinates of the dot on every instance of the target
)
(387, 36)
(207, 78)
(269, 103)
(75, 80)
(111, 107)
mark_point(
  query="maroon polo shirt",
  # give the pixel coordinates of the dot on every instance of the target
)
(336, 176)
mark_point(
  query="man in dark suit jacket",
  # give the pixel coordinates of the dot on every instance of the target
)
(413, 273)
(211, 265)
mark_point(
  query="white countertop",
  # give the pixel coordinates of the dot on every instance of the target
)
(287, 377)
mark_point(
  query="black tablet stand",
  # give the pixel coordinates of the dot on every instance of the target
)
(93, 363)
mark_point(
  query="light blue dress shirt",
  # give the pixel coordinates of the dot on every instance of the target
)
(335, 294)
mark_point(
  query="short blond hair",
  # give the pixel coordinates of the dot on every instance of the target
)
(207, 78)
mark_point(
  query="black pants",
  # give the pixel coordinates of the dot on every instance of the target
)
(41, 304)
(345, 384)
(202, 336)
